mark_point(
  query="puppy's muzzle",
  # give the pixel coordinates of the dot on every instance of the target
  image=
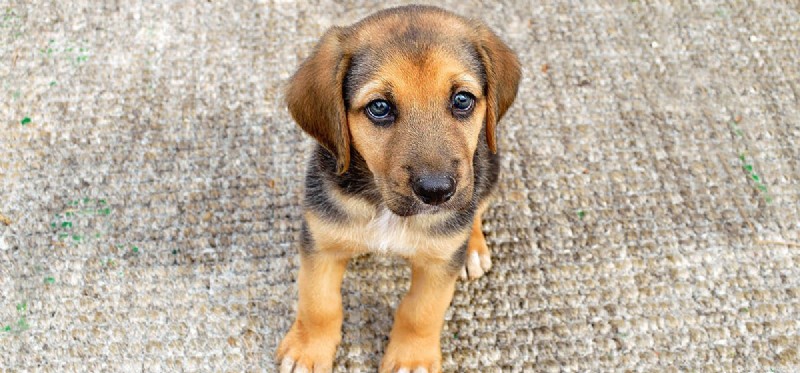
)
(434, 189)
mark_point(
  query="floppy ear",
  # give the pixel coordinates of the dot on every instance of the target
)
(502, 79)
(315, 97)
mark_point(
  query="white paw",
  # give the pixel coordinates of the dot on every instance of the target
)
(418, 370)
(406, 370)
(290, 366)
(477, 265)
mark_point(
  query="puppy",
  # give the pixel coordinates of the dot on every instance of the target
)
(404, 106)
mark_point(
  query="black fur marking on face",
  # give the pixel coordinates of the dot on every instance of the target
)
(358, 181)
(487, 168)
(306, 240)
(476, 65)
(458, 222)
(318, 198)
(415, 43)
(321, 177)
(361, 70)
(459, 258)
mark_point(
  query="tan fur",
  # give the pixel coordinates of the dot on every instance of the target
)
(477, 242)
(429, 136)
(312, 340)
(478, 256)
(414, 341)
(502, 75)
(428, 131)
(370, 31)
(363, 236)
(314, 97)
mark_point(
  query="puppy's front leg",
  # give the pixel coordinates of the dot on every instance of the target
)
(310, 345)
(414, 342)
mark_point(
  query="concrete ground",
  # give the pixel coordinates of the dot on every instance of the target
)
(647, 218)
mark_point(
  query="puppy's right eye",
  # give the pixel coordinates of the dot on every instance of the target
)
(380, 112)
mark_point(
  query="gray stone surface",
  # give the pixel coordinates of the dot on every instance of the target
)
(630, 232)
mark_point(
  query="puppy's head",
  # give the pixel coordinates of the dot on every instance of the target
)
(411, 89)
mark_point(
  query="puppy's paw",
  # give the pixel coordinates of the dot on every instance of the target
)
(302, 352)
(479, 261)
(412, 355)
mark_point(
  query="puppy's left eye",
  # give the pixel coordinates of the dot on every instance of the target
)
(380, 112)
(463, 103)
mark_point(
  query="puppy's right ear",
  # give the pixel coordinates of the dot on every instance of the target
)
(502, 79)
(315, 97)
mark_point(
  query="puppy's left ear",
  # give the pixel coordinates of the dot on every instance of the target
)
(502, 79)
(315, 96)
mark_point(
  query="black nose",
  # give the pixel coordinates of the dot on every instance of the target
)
(434, 189)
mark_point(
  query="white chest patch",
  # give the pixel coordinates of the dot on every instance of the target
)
(387, 232)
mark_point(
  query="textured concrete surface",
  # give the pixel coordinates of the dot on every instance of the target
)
(647, 218)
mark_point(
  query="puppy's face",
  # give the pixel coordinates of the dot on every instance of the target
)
(415, 116)
(411, 91)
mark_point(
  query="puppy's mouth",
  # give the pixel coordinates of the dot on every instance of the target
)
(405, 205)
(410, 207)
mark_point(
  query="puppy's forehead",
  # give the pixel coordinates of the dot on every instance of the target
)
(418, 38)
(409, 23)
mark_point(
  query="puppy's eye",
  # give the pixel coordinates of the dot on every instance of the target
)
(380, 111)
(463, 103)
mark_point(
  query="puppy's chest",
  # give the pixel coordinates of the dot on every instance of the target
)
(388, 232)
(385, 232)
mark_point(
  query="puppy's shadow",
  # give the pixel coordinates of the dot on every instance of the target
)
(371, 290)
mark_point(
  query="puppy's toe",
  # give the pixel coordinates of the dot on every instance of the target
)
(287, 365)
(479, 261)
(300, 352)
(474, 269)
(412, 355)
(301, 369)
(418, 370)
(486, 261)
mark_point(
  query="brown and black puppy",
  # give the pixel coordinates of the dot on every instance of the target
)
(404, 105)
